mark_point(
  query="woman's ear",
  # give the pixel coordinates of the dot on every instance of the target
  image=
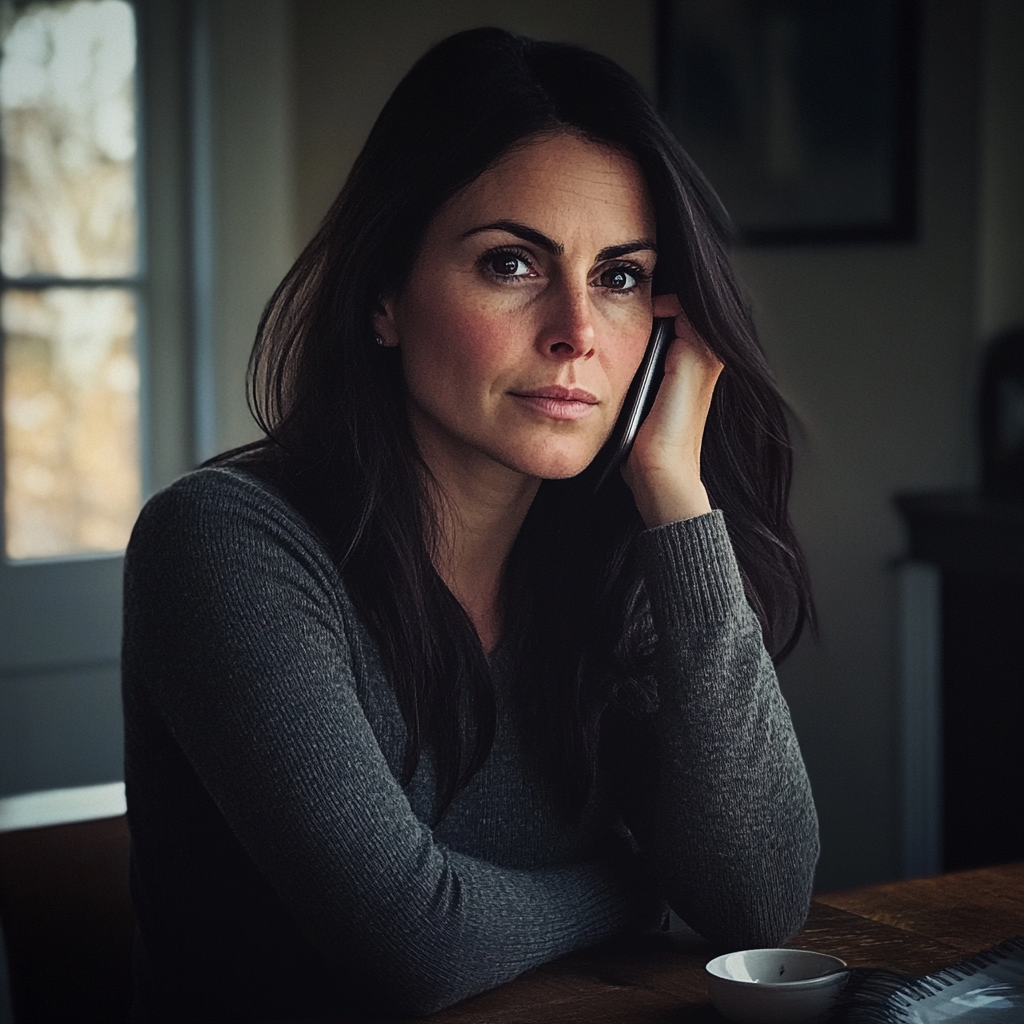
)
(384, 328)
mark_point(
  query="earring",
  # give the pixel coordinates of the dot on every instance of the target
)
(380, 341)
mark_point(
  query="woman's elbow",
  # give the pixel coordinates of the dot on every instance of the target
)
(421, 1003)
(747, 912)
(754, 927)
(424, 990)
(773, 926)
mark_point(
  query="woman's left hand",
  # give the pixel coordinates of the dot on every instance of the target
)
(663, 469)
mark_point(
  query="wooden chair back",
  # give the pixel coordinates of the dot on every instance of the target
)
(68, 921)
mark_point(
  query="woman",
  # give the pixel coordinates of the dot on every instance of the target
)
(409, 707)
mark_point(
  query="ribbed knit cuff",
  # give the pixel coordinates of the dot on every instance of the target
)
(691, 573)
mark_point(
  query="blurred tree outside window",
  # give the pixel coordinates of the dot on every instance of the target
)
(69, 277)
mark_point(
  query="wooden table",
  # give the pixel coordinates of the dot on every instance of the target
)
(915, 926)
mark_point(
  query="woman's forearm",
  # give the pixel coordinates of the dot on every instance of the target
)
(729, 827)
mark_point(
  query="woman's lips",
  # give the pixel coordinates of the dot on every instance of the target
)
(557, 402)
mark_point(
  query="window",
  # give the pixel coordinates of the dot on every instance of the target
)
(70, 277)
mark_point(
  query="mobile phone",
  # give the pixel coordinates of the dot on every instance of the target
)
(638, 401)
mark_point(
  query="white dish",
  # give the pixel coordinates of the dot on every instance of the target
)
(775, 986)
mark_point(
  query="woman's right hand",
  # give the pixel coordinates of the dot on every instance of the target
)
(663, 469)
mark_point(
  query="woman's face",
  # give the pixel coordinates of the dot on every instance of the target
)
(527, 310)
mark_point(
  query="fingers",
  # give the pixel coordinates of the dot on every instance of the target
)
(690, 347)
(670, 438)
(663, 469)
(691, 372)
(664, 306)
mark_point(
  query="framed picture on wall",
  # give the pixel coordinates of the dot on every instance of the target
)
(801, 113)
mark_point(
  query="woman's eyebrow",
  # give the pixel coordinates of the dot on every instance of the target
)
(520, 231)
(556, 248)
(637, 245)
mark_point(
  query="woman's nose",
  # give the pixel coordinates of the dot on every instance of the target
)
(568, 331)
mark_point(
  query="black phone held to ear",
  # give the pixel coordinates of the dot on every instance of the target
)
(638, 401)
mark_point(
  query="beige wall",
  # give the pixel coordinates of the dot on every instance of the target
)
(874, 344)
(253, 235)
(875, 347)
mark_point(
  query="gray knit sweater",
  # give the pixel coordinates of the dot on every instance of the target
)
(280, 870)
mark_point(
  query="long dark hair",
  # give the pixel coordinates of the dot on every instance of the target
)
(332, 404)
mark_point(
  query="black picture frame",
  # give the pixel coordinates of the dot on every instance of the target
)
(801, 113)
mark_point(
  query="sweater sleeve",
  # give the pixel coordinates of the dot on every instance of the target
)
(235, 635)
(728, 825)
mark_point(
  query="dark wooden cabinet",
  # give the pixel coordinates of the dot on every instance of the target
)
(978, 547)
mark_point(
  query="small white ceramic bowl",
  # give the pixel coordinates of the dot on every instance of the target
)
(775, 986)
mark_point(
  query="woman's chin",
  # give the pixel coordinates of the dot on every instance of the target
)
(556, 465)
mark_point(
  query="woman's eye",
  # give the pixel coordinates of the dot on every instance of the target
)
(506, 264)
(619, 279)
